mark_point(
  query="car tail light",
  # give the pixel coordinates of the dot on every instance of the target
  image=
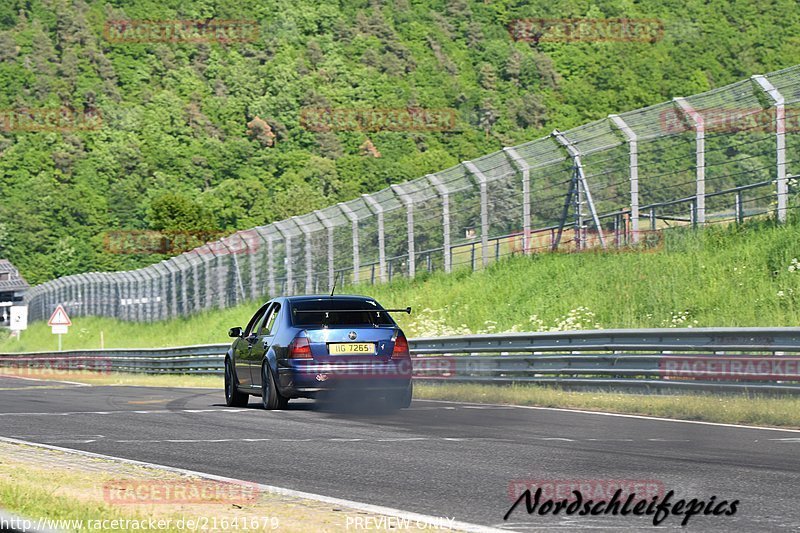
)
(400, 350)
(299, 348)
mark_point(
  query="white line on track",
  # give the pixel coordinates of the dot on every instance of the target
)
(55, 440)
(151, 412)
(366, 507)
(45, 380)
(621, 415)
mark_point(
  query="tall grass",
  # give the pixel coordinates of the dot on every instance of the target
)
(718, 276)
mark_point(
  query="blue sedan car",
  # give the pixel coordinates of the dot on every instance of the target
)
(306, 346)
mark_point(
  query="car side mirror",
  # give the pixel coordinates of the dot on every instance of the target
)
(235, 332)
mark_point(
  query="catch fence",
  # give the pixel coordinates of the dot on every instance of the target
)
(719, 156)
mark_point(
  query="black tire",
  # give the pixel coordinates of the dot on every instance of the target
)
(233, 398)
(271, 399)
(401, 400)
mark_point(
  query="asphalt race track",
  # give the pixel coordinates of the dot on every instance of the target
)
(436, 458)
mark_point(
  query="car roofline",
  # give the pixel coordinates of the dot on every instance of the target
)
(307, 297)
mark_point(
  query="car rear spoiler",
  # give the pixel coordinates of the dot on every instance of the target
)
(406, 310)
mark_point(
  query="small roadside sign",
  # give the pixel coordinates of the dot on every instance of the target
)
(59, 317)
(59, 323)
(19, 317)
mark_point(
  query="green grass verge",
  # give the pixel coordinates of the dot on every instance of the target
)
(32, 497)
(728, 409)
(72, 492)
(719, 276)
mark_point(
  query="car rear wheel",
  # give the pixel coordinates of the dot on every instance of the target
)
(271, 399)
(233, 398)
(401, 400)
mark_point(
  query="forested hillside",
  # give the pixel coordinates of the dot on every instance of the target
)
(208, 136)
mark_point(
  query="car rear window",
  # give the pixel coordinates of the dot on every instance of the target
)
(333, 312)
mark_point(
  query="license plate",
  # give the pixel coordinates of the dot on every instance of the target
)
(351, 348)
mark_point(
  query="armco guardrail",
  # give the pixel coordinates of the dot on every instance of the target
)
(714, 359)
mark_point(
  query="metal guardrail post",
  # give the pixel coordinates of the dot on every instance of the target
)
(780, 143)
(408, 202)
(525, 169)
(351, 216)
(700, 155)
(377, 209)
(445, 197)
(483, 182)
(633, 172)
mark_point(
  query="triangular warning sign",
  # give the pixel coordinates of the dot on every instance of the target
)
(59, 317)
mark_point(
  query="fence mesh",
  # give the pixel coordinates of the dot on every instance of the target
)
(714, 157)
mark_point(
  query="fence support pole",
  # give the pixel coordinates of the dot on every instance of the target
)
(633, 171)
(377, 209)
(271, 265)
(196, 274)
(780, 140)
(221, 275)
(483, 181)
(173, 281)
(351, 216)
(234, 258)
(287, 240)
(124, 295)
(308, 255)
(700, 150)
(408, 202)
(445, 196)
(253, 244)
(525, 170)
(329, 230)
(582, 184)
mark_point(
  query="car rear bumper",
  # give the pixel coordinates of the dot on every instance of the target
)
(302, 378)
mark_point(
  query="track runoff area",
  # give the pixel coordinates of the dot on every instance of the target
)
(437, 465)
